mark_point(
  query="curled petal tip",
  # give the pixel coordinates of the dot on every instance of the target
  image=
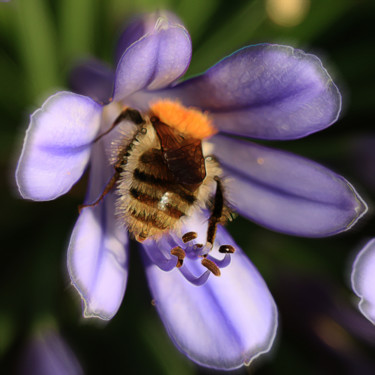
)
(143, 25)
(360, 207)
(363, 280)
(154, 61)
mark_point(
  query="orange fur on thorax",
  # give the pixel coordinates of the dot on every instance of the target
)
(186, 120)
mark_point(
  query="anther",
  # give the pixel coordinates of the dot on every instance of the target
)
(180, 254)
(187, 237)
(211, 266)
(226, 249)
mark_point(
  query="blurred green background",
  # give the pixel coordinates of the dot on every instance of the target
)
(320, 330)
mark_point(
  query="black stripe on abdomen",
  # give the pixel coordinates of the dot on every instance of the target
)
(169, 210)
(172, 187)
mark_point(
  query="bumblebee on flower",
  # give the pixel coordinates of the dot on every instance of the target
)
(163, 177)
(262, 91)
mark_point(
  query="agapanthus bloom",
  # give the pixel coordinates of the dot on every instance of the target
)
(363, 279)
(47, 353)
(262, 91)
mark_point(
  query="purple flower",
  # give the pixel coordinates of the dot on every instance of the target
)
(363, 279)
(47, 353)
(263, 91)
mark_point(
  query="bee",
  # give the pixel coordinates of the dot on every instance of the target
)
(162, 175)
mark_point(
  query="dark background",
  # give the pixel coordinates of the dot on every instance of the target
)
(321, 331)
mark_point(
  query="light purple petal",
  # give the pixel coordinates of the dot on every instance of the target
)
(92, 78)
(223, 324)
(98, 249)
(154, 61)
(141, 26)
(363, 280)
(285, 192)
(57, 146)
(47, 354)
(265, 91)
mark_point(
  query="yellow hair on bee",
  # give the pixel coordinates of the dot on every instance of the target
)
(186, 120)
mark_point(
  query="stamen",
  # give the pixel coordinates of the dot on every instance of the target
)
(198, 281)
(226, 249)
(211, 266)
(188, 248)
(194, 250)
(221, 263)
(199, 249)
(187, 237)
(180, 254)
(209, 246)
(164, 263)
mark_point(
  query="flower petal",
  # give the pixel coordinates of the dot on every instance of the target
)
(98, 249)
(363, 280)
(285, 192)
(94, 79)
(223, 324)
(47, 353)
(155, 60)
(265, 91)
(141, 26)
(57, 146)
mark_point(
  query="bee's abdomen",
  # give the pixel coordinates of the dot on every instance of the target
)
(153, 201)
(164, 185)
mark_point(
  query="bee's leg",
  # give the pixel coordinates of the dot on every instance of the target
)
(212, 264)
(106, 190)
(111, 184)
(127, 114)
(215, 217)
(217, 211)
(216, 214)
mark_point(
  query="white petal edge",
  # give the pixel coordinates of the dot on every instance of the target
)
(363, 280)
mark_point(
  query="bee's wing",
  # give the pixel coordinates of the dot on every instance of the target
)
(183, 155)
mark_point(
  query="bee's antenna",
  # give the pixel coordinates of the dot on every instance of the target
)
(127, 114)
